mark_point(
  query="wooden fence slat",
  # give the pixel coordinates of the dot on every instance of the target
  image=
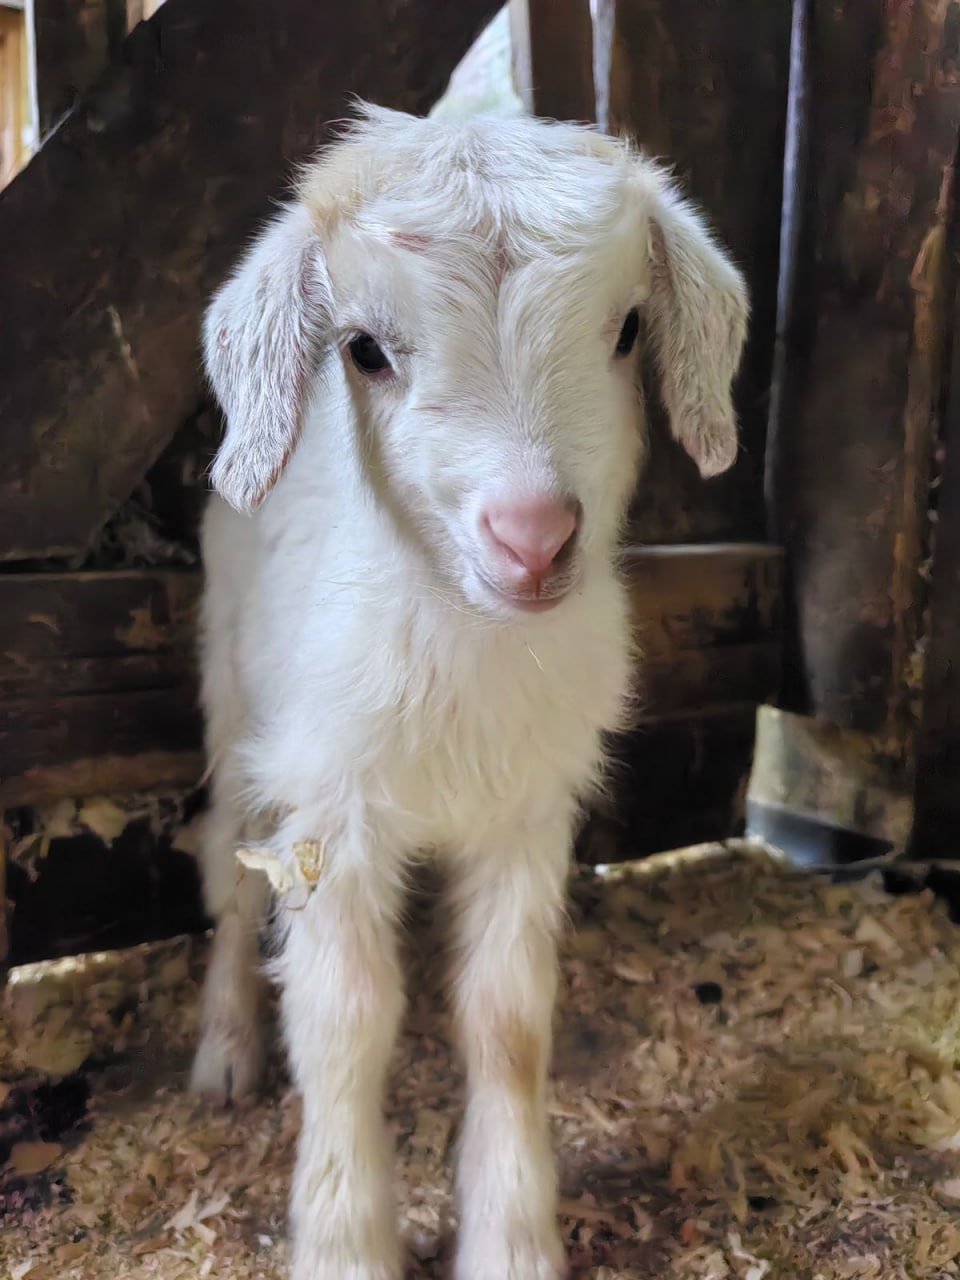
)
(553, 58)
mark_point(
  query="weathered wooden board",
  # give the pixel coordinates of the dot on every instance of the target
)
(159, 177)
(937, 775)
(75, 41)
(701, 597)
(865, 357)
(704, 87)
(98, 684)
(553, 57)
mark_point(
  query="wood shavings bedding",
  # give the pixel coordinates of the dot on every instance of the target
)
(755, 1078)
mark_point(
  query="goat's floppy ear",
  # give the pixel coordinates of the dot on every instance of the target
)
(264, 332)
(698, 308)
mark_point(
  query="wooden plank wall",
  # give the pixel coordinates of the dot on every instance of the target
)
(98, 696)
(98, 681)
(709, 625)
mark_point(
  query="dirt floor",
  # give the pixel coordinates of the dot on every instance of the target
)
(756, 1077)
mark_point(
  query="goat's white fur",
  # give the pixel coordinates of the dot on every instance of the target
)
(363, 686)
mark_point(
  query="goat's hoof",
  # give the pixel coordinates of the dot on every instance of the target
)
(526, 1261)
(228, 1064)
(318, 1270)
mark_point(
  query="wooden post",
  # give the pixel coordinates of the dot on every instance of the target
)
(4, 932)
(553, 58)
(864, 363)
(937, 784)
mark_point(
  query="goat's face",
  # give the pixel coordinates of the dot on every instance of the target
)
(498, 417)
(486, 288)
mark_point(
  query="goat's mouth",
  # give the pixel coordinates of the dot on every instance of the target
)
(526, 602)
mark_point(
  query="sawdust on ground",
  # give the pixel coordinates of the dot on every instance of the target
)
(755, 1077)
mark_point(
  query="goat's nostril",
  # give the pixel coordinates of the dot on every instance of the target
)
(536, 533)
(565, 553)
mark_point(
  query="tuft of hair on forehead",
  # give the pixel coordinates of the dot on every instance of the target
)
(526, 187)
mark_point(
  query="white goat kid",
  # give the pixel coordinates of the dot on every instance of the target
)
(428, 362)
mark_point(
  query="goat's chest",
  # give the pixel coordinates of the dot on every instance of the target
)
(442, 728)
(498, 732)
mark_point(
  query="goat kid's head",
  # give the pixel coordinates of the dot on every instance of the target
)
(479, 292)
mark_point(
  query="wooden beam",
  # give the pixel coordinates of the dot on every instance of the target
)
(97, 683)
(707, 620)
(161, 176)
(687, 598)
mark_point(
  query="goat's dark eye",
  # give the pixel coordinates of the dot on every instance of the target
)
(367, 354)
(628, 334)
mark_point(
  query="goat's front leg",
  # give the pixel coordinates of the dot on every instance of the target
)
(230, 1055)
(342, 1002)
(509, 898)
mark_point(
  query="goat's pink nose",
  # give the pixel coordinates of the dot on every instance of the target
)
(534, 530)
